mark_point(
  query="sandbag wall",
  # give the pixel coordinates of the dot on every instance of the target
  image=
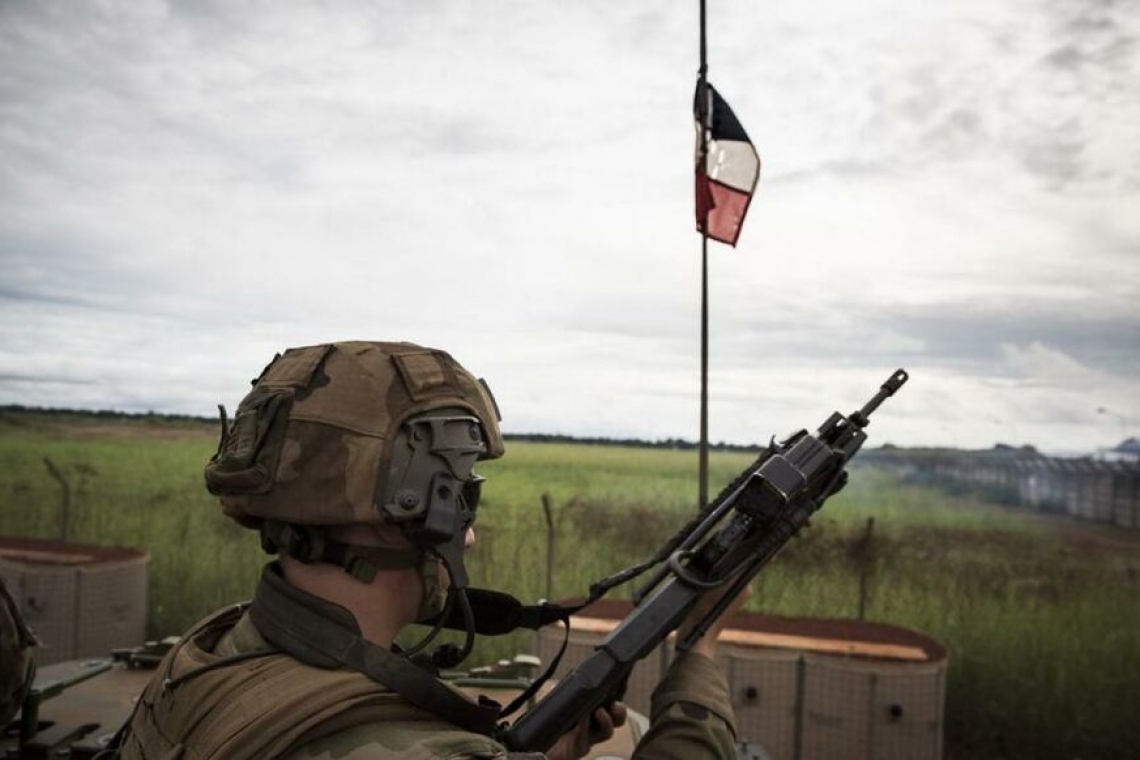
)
(804, 689)
(81, 601)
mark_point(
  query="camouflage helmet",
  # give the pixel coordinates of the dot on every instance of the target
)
(313, 441)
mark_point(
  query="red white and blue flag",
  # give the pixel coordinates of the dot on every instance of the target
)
(728, 175)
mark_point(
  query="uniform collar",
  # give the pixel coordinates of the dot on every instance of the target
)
(325, 635)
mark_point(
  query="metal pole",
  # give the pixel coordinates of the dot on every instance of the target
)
(863, 557)
(64, 499)
(548, 511)
(703, 497)
(703, 113)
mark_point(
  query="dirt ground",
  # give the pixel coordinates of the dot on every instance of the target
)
(1090, 537)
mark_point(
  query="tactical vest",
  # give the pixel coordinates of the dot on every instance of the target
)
(260, 705)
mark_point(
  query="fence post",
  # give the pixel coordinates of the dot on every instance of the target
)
(547, 510)
(863, 556)
(65, 499)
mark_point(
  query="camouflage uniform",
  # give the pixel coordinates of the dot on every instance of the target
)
(273, 695)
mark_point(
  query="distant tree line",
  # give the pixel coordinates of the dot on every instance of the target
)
(160, 417)
(667, 443)
(18, 410)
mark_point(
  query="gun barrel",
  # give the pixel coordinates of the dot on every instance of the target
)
(893, 383)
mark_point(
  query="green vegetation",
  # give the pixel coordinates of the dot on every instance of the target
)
(1041, 616)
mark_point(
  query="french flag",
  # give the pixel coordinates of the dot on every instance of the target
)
(728, 175)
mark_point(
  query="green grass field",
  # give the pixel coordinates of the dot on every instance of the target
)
(1041, 616)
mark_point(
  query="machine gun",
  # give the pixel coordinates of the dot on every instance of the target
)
(753, 518)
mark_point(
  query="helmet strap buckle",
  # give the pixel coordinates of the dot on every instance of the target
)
(360, 568)
(302, 543)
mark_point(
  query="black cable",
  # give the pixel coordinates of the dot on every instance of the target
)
(170, 683)
(419, 647)
(468, 623)
(535, 685)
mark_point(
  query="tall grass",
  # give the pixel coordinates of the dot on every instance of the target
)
(1043, 631)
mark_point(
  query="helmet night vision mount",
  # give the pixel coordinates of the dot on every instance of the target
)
(432, 490)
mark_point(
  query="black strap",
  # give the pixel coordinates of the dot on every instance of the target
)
(309, 544)
(326, 635)
(535, 685)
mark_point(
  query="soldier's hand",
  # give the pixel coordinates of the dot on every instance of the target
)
(576, 743)
(706, 644)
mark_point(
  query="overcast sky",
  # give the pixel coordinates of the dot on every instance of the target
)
(188, 187)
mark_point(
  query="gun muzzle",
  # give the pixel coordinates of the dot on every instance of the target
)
(886, 390)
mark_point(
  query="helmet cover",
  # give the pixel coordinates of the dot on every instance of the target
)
(313, 441)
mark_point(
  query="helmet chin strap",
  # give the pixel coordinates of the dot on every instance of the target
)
(308, 544)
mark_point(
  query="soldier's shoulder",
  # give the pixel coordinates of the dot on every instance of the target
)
(414, 740)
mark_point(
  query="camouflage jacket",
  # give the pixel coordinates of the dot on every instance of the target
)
(275, 706)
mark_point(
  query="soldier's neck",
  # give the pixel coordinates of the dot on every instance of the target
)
(382, 608)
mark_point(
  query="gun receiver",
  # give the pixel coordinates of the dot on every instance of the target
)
(760, 512)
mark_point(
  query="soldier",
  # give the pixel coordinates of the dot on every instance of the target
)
(355, 461)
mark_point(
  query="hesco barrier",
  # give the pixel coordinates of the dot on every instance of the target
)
(81, 601)
(802, 688)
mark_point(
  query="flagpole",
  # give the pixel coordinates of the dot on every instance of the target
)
(703, 106)
(703, 496)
